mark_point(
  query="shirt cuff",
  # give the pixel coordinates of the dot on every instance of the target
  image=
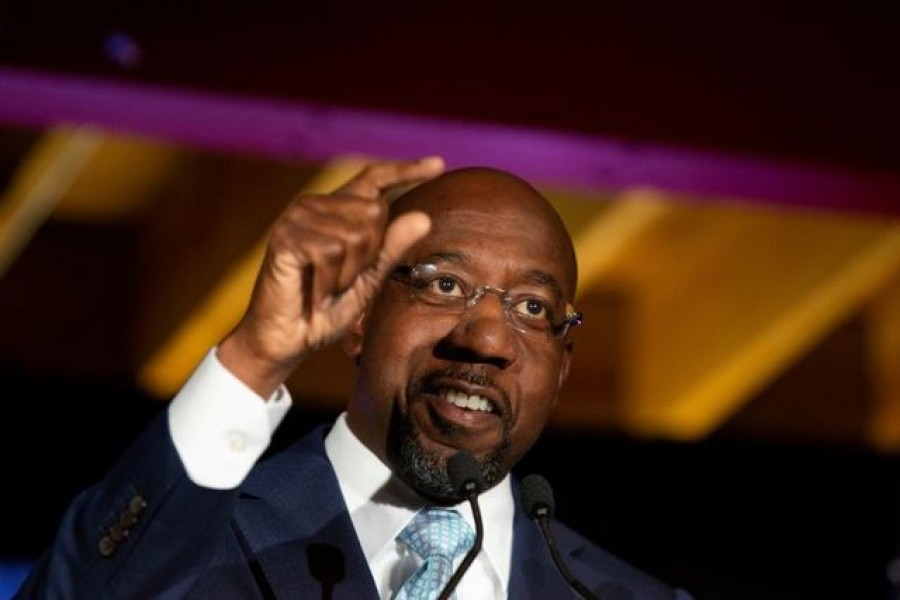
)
(220, 427)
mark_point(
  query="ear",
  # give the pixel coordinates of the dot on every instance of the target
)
(352, 341)
(564, 365)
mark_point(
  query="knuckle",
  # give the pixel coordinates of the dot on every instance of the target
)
(280, 237)
(357, 237)
(375, 211)
(332, 250)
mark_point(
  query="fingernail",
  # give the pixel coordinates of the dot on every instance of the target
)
(435, 162)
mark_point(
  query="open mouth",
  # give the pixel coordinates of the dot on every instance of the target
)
(463, 402)
(467, 390)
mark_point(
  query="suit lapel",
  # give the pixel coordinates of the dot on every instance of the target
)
(532, 572)
(294, 524)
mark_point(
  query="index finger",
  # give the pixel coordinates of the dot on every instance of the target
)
(377, 177)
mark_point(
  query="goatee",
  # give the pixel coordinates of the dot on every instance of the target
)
(426, 470)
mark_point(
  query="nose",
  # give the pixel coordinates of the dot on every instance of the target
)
(482, 334)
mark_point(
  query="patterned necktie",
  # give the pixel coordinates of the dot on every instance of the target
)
(438, 536)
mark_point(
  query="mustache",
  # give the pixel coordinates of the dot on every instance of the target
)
(460, 373)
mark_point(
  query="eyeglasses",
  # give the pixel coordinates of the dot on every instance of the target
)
(526, 311)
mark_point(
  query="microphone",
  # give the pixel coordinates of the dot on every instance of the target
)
(465, 475)
(537, 497)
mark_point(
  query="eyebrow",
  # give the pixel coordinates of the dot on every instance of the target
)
(533, 276)
(544, 279)
(452, 257)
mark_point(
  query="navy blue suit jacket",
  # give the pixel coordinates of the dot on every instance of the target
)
(146, 531)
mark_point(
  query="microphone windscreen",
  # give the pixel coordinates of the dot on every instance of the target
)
(537, 493)
(464, 472)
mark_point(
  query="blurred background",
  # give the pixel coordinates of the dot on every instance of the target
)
(732, 183)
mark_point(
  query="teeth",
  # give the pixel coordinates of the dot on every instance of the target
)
(466, 401)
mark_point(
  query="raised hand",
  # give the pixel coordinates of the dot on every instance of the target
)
(326, 258)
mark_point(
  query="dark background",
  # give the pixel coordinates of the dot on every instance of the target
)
(810, 82)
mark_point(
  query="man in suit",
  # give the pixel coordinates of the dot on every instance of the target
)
(455, 302)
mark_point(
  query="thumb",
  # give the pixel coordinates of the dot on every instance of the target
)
(402, 233)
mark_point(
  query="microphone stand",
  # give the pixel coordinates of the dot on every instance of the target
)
(537, 498)
(470, 489)
(471, 496)
(543, 520)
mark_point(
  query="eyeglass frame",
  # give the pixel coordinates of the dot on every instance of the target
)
(407, 274)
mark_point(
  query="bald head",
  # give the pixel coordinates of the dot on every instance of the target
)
(493, 194)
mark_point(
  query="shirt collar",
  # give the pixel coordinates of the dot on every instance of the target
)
(381, 505)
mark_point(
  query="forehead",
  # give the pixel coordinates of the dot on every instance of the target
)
(495, 223)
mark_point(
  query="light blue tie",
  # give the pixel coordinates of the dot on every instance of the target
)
(438, 536)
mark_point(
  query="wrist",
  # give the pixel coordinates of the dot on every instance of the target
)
(260, 373)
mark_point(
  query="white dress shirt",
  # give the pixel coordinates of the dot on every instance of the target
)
(220, 428)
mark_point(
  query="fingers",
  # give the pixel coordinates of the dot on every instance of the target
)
(340, 236)
(333, 240)
(325, 245)
(372, 181)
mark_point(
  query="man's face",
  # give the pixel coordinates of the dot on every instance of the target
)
(434, 381)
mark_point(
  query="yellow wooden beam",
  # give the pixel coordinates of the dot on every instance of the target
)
(43, 178)
(604, 232)
(126, 174)
(884, 344)
(603, 239)
(741, 318)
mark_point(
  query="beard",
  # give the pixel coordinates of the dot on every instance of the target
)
(426, 470)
